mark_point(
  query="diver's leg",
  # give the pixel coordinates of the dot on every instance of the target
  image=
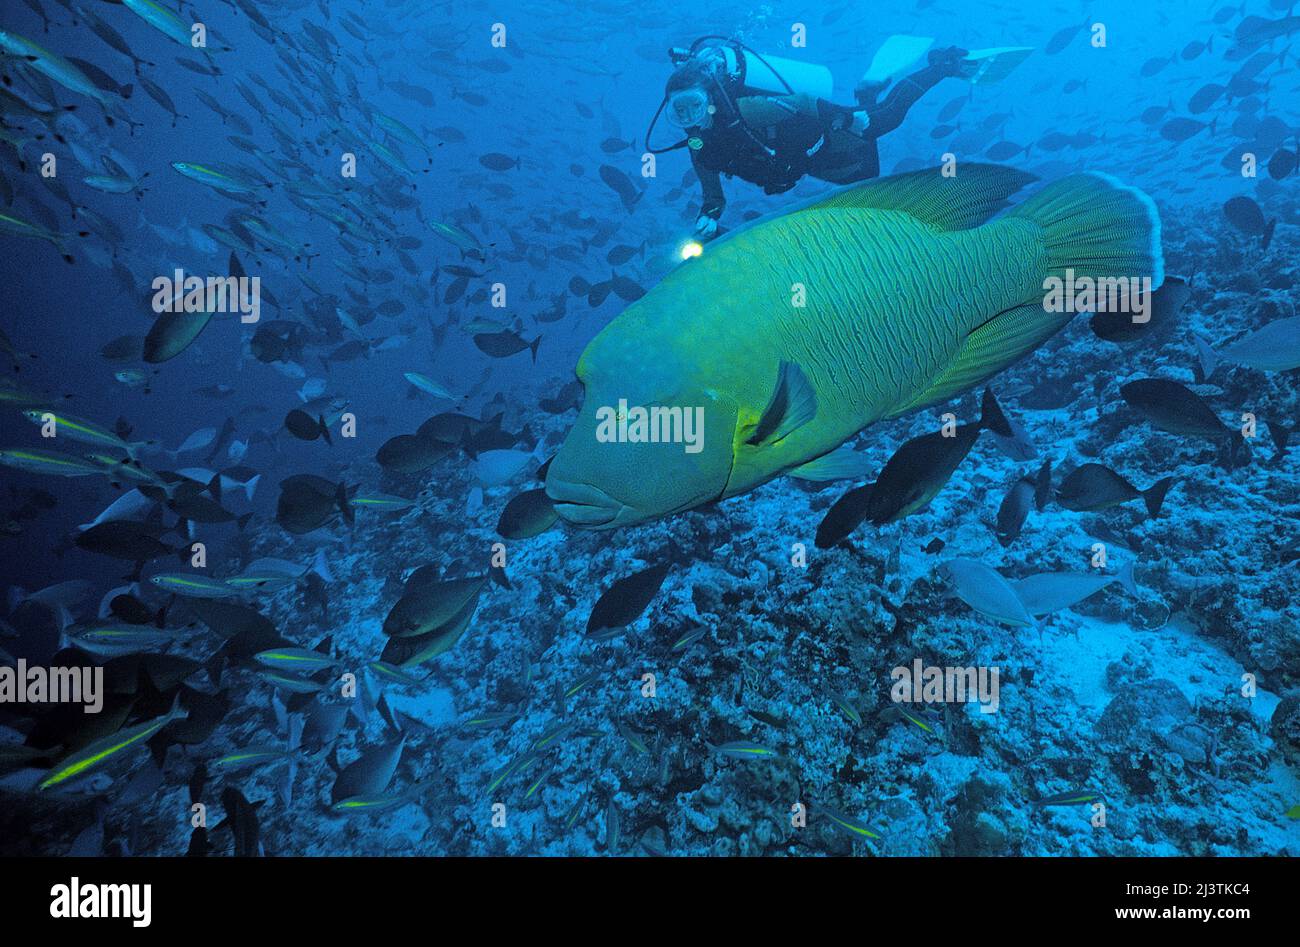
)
(847, 160)
(889, 114)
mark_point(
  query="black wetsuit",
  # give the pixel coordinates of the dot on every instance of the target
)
(785, 137)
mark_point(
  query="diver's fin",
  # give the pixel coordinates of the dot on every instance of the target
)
(793, 404)
(975, 194)
(991, 347)
(895, 54)
(993, 65)
(843, 463)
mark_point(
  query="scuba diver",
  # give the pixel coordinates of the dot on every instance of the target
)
(770, 121)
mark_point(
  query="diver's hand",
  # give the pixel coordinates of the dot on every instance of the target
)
(952, 61)
(706, 228)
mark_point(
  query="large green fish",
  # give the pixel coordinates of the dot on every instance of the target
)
(912, 295)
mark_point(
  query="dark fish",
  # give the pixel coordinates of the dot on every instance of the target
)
(505, 343)
(1282, 164)
(919, 469)
(306, 428)
(495, 161)
(429, 603)
(1095, 487)
(1014, 510)
(1003, 150)
(308, 502)
(1204, 97)
(1174, 408)
(1244, 214)
(1166, 303)
(620, 254)
(411, 453)
(621, 185)
(624, 601)
(1154, 113)
(125, 539)
(843, 517)
(613, 146)
(626, 289)
(1181, 129)
(950, 110)
(369, 774)
(1154, 65)
(1060, 39)
(241, 819)
(526, 515)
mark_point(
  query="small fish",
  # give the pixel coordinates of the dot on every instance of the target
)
(391, 674)
(298, 660)
(624, 601)
(291, 683)
(845, 823)
(495, 161)
(1093, 487)
(1074, 798)
(489, 719)
(743, 750)
(108, 748)
(689, 638)
(847, 708)
(192, 585)
(428, 385)
(250, 756)
(52, 463)
(528, 514)
(986, 591)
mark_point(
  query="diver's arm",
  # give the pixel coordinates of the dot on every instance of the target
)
(889, 114)
(711, 185)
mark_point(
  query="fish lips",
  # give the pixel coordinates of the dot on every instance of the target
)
(580, 504)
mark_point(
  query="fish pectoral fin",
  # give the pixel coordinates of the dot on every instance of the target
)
(793, 404)
(843, 463)
(949, 203)
(990, 347)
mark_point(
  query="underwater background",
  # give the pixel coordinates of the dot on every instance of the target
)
(733, 697)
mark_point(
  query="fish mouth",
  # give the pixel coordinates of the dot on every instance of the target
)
(581, 504)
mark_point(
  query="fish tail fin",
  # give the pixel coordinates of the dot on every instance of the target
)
(324, 430)
(1127, 579)
(345, 507)
(532, 347)
(1097, 227)
(1154, 497)
(991, 416)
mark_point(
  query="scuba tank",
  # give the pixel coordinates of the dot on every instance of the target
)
(775, 75)
(738, 70)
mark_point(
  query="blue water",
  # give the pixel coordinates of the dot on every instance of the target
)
(1157, 721)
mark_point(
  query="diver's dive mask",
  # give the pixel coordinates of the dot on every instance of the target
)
(689, 108)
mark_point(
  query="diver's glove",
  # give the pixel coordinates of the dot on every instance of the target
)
(952, 61)
(706, 228)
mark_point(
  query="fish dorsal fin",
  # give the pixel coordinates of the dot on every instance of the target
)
(966, 200)
(793, 404)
